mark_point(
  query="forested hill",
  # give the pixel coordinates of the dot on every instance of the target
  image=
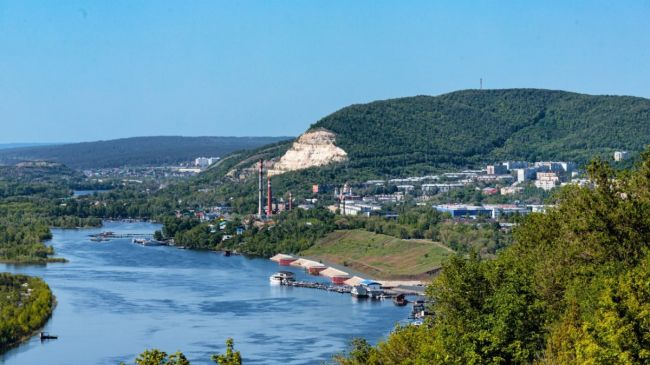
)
(137, 151)
(475, 126)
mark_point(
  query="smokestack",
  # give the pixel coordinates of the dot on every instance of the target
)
(259, 192)
(269, 195)
(290, 201)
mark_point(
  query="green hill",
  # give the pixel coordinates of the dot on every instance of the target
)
(136, 151)
(464, 129)
(472, 127)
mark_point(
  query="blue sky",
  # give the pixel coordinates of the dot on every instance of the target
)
(89, 70)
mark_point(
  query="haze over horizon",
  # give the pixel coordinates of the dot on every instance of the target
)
(85, 71)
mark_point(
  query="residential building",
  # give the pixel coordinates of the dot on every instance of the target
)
(511, 165)
(490, 191)
(359, 208)
(462, 210)
(547, 180)
(498, 210)
(525, 174)
(621, 155)
(203, 162)
(511, 190)
(440, 188)
(496, 169)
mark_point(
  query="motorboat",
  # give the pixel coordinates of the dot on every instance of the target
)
(400, 300)
(281, 277)
(359, 291)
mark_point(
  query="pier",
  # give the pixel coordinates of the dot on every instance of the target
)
(347, 289)
(113, 235)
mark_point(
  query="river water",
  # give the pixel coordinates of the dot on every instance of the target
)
(116, 299)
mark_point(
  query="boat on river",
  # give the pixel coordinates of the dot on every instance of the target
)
(146, 242)
(400, 300)
(281, 277)
(359, 291)
(47, 336)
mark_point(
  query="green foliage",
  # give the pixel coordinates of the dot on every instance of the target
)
(400, 136)
(230, 357)
(298, 230)
(157, 357)
(292, 232)
(25, 305)
(33, 197)
(430, 134)
(574, 288)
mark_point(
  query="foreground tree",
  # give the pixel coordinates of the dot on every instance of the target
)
(157, 357)
(573, 288)
(230, 357)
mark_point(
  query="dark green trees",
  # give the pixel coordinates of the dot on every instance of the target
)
(574, 288)
(157, 357)
(26, 303)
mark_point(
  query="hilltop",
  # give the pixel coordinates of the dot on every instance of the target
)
(428, 134)
(471, 127)
(136, 151)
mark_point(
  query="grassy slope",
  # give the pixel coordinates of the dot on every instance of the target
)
(380, 256)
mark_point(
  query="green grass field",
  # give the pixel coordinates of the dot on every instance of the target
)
(380, 256)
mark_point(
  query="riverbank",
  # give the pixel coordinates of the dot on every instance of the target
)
(116, 298)
(27, 305)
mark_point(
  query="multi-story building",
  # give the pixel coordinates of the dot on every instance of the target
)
(203, 162)
(547, 180)
(621, 155)
(496, 169)
(525, 174)
(511, 190)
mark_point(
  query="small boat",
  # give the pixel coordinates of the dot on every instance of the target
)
(47, 336)
(146, 242)
(400, 300)
(359, 291)
(226, 253)
(281, 277)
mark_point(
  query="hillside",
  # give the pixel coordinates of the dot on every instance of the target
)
(379, 255)
(476, 126)
(423, 134)
(137, 151)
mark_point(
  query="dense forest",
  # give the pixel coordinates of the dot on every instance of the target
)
(297, 230)
(34, 197)
(465, 129)
(26, 303)
(476, 126)
(572, 289)
(136, 151)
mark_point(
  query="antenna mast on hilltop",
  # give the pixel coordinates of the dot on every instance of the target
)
(481, 84)
(259, 187)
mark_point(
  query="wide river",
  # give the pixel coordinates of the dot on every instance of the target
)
(116, 299)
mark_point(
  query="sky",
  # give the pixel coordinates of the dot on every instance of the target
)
(94, 70)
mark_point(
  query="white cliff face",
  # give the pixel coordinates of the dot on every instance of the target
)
(315, 148)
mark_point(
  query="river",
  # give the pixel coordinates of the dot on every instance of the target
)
(116, 299)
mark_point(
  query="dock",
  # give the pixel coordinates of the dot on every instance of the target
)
(346, 289)
(112, 235)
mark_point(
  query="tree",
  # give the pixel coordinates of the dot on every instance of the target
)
(230, 357)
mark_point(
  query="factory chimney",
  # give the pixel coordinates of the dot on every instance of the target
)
(259, 192)
(269, 195)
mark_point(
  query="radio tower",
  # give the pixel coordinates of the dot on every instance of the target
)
(259, 192)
